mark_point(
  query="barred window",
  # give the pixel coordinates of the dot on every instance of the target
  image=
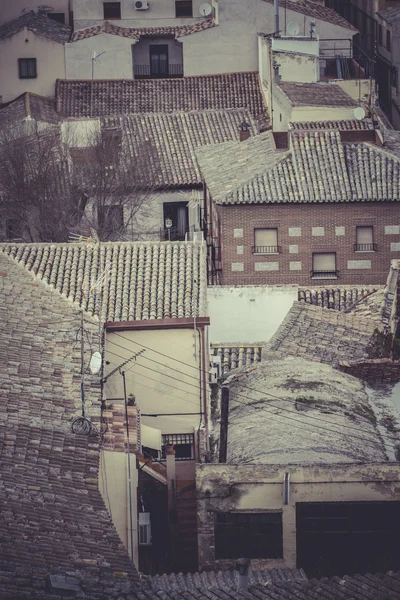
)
(183, 444)
(27, 68)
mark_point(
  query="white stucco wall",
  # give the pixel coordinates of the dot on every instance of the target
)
(11, 9)
(159, 383)
(233, 47)
(115, 63)
(247, 313)
(49, 60)
(160, 13)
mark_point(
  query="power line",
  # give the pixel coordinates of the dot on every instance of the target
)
(253, 399)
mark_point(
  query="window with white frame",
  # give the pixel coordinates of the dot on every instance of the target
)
(266, 241)
(324, 265)
(364, 239)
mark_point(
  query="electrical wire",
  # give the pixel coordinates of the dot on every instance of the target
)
(254, 399)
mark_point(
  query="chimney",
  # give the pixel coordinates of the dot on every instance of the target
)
(223, 438)
(242, 566)
(244, 131)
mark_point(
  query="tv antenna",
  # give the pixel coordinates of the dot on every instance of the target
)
(205, 10)
(94, 59)
(359, 113)
(292, 29)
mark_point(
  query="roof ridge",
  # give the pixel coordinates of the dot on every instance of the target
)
(150, 82)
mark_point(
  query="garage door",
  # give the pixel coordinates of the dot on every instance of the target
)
(338, 538)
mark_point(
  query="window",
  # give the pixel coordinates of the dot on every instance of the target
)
(112, 10)
(265, 241)
(380, 35)
(183, 444)
(364, 239)
(176, 217)
(388, 40)
(59, 17)
(27, 68)
(184, 8)
(324, 265)
(248, 535)
(110, 218)
(158, 60)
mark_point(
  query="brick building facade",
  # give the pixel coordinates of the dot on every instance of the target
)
(303, 232)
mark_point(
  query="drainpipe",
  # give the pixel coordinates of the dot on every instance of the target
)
(276, 11)
(223, 438)
(204, 371)
(171, 476)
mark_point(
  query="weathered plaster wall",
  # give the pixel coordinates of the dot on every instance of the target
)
(49, 60)
(247, 313)
(225, 488)
(159, 383)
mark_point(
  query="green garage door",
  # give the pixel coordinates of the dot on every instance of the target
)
(338, 538)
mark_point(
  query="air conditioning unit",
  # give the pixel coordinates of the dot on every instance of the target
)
(213, 376)
(141, 5)
(144, 529)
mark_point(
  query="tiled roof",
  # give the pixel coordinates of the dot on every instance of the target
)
(342, 298)
(224, 167)
(175, 136)
(357, 587)
(221, 580)
(84, 98)
(390, 13)
(39, 24)
(318, 168)
(53, 520)
(316, 10)
(349, 125)
(275, 410)
(322, 334)
(135, 33)
(316, 94)
(29, 105)
(138, 281)
(237, 355)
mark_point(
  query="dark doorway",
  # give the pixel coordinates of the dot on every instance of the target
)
(159, 60)
(176, 220)
(343, 538)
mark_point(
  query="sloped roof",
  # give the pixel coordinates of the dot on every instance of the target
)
(29, 105)
(315, 10)
(237, 355)
(338, 298)
(390, 13)
(138, 280)
(318, 168)
(316, 94)
(39, 24)
(135, 33)
(84, 98)
(347, 125)
(322, 335)
(174, 137)
(53, 518)
(307, 410)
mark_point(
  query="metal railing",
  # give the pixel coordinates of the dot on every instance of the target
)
(324, 274)
(365, 247)
(174, 234)
(144, 72)
(266, 249)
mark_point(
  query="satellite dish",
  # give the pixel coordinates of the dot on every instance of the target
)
(359, 113)
(95, 363)
(292, 29)
(205, 10)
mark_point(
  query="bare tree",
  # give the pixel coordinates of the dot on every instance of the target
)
(52, 186)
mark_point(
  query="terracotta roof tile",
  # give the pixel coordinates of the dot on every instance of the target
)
(31, 105)
(348, 125)
(390, 14)
(316, 10)
(135, 33)
(237, 355)
(337, 298)
(154, 280)
(82, 98)
(39, 24)
(316, 94)
(53, 518)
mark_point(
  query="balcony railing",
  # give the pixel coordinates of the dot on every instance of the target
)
(365, 247)
(266, 249)
(174, 234)
(144, 72)
(324, 274)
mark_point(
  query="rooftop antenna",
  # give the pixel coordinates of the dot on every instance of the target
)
(94, 59)
(293, 29)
